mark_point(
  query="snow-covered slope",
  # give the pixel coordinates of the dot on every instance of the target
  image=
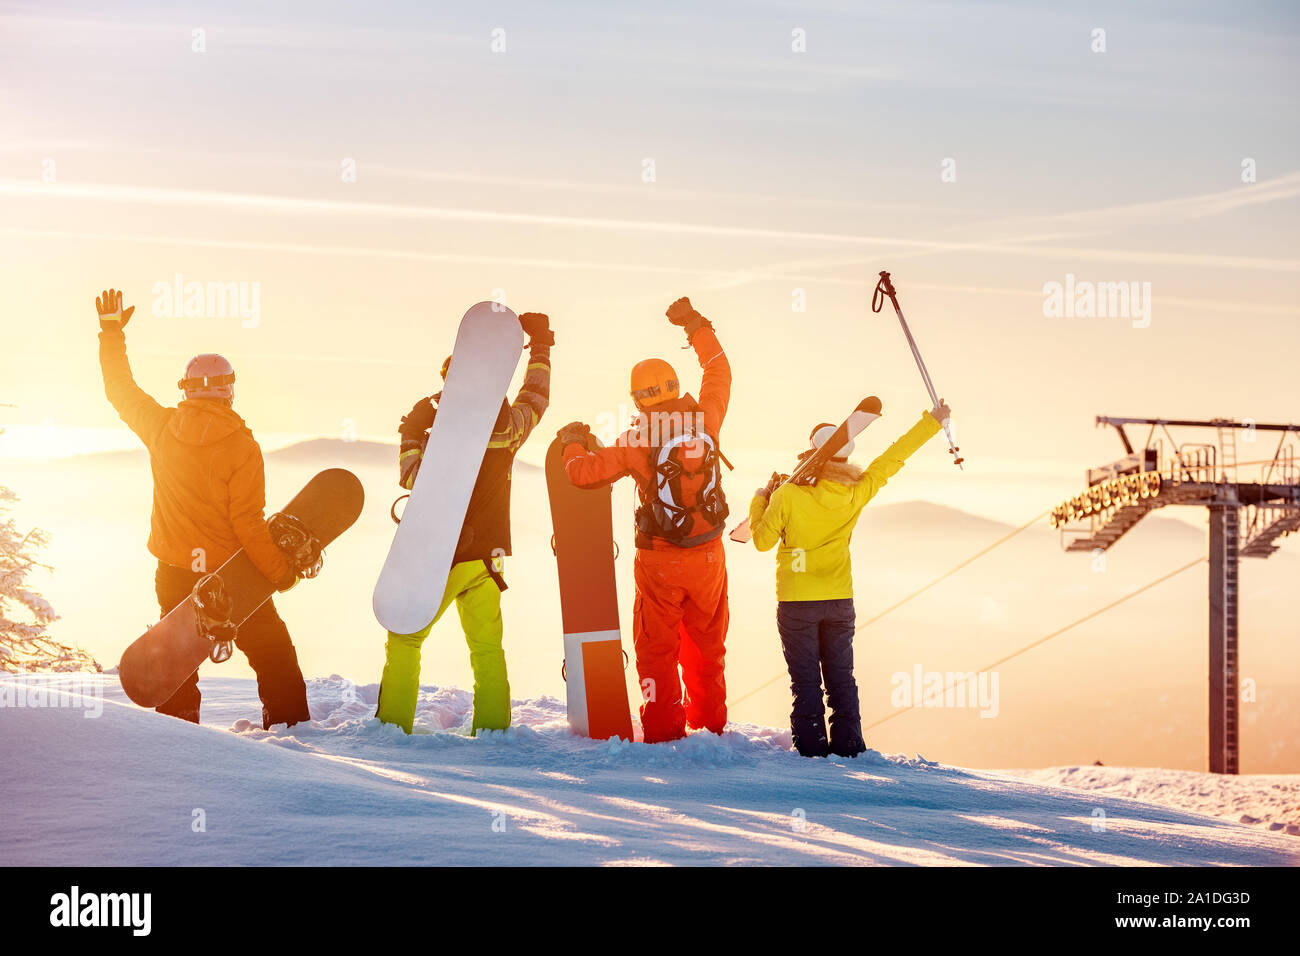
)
(1267, 800)
(131, 787)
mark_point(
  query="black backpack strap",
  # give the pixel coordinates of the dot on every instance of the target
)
(497, 578)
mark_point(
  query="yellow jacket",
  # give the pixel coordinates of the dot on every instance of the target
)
(814, 524)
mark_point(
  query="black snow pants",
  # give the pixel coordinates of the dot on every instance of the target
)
(263, 639)
(817, 638)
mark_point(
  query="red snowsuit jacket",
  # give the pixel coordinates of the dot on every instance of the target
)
(630, 454)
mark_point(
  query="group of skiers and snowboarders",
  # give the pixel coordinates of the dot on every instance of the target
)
(209, 501)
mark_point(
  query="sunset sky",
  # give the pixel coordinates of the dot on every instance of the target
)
(774, 171)
(613, 157)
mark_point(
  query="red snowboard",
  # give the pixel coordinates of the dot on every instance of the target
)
(593, 648)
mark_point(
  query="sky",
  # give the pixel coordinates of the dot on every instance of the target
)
(779, 178)
(369, 172)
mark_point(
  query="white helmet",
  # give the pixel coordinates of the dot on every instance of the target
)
(208, 376)
(822, 434)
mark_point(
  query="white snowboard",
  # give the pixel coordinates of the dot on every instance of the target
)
(410, 586)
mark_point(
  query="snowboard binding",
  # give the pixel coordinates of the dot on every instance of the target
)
(300, 546)
(213, 607)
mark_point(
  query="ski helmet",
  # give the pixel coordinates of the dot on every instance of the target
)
(653, 382)
(208, 376)
(822, 433)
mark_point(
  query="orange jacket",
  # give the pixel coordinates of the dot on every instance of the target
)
(630, 454)
(209, 487)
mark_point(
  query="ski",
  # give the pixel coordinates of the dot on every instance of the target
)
(868, 410)
(409, 590)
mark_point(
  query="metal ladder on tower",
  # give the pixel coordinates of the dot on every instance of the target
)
(1227, 454)
(1231, 545)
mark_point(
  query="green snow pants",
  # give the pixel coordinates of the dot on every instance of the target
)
(478, 601)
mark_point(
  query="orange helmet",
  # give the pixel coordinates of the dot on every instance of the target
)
(653, 382)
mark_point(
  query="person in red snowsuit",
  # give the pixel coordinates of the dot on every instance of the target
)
(680, 614)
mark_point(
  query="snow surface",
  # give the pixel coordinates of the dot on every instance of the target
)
(1267, 800)
(132, 787)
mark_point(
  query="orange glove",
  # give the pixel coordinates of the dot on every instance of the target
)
(111, 313)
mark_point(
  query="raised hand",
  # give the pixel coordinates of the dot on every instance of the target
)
(537, 326)
(681, 311)
(111, 314)
(419, 420)
(684, 314)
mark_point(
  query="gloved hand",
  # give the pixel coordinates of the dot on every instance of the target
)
(771, 486)
(537, 326)
(576, 433)
(418, 420)
(683, 313)
(296, 542)
(941, 412)
(111, 313)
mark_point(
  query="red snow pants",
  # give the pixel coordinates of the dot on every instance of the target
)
(679, 619)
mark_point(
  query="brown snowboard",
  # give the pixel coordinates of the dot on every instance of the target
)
(162, 658)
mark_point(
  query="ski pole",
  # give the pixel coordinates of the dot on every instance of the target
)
(886, 288)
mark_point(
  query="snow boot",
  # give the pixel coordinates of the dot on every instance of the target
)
(846, 737)
(809, 736)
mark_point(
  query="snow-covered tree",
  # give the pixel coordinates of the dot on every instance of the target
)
(24, 614)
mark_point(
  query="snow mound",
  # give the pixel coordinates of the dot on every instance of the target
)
(93, 780)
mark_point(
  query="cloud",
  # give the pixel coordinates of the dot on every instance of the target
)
(306, 206)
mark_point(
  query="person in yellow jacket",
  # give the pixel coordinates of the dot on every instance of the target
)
(814, 581)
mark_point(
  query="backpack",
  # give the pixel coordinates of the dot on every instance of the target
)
(683, 503)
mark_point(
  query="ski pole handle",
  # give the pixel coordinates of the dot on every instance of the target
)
(885, 287)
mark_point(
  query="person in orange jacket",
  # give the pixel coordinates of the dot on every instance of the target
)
(209, 495)
(671, 451)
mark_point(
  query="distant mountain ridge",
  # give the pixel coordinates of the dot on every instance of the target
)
(340, 453)
(336, 451)
(895, 518)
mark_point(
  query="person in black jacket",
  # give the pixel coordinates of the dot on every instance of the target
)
(475, 581)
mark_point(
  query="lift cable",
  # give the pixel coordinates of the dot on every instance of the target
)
(1059, 631)
(917, 593)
